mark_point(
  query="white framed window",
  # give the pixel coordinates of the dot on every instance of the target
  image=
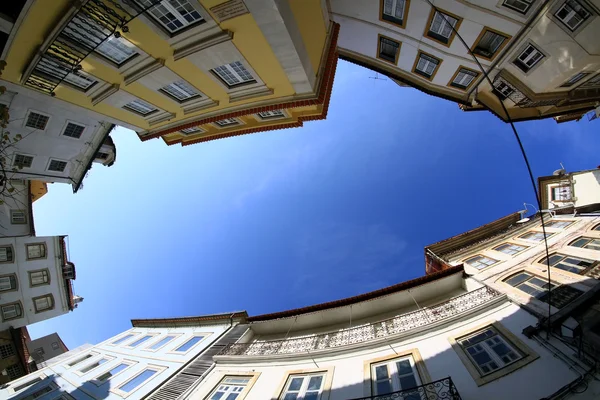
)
(503, 89)
(572, 14)
(174, 15)
(75, 78)
(114, 371)
(586, 243)
(558, 224)
(35, 250)
(6, 254)
(426, 65)
(528, 58)
(80, 359)
(6, 350)
(123, 338)
(510, 248)
(534, 236)
(489, 44)
(161, 343)
(480, 262)
(11, 311)
(140, 107)
(227, 122)
(137, 380)
(18, 217)
(41, 392)
(576, 265)
(23, 161)
(271, 114)
(538, 288)
(94, 365)
(441, 27)
(43, 303)
(57, 165)
(229, 388)
(8, 282)
(488, 350)
(39, 277)
(234, 74)
(73, 130)
(304, 386)
(464, 77)
(575, 78)
(80, 80)
(393, 11)
(36, 120)
(193, 129)
(116, 50)
(560, 193)
(185, 347)
(394, 375)
(140, 340)
(521, 6)
(180, 90)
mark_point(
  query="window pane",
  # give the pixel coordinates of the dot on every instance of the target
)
(161, 342)
(109, 374)
(138, 380)
(315, 382)
(140, 341)
(190, 343)
(124, 338)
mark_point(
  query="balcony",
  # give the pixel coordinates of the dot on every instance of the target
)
(441, 389)
(368, 332)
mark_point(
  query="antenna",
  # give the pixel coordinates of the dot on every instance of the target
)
(377, 78)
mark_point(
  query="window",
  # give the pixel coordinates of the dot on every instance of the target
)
(109, 374)
(489, 44)
(43, 303)
(116, 50)
(395, 375)
(394, 11)
(229, 388)
(510, 248)
(572, 14)
(593, 82)
(481, 262)
(11, 311)
(227, 122)
(587, 243)
(93, 365)
(488, 350)
(40, 351)
(57, 165)
(101, 156)
(560, 193)
(574, 79)
(140, 341)
(174, 15)
(27, 384)
(388, 49)
(597, 228)
(441, 27)
(426, 65)
(180, 90)
(18, 217)
(502, 89)
(79, 360)
(74, 130)
(23, 161)
(307, 387)
(124, 338)
(55, 346)
(162, 342)
(41, 277)
(39, 393)
(534, 236)
(140, 107)
(521, 6)
(538, 288)
(463, 78)
(57, 70)
(528, 58)
(8, 282)
(558, 224)
(80, 80)
(6, 350)
(37, 121)
(189, 344)
(137, 380)
(234, 74)
(37, 250)
(188, 131)
(14, 371)
(6, 254)
(572, 264)
(271, 114)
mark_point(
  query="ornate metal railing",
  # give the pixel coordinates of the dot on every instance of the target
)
(442, 389)
(92, 25)
(367, 332)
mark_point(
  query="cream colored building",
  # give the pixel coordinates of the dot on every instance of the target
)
(579, 189)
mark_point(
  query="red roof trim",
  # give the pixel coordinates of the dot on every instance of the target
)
(322, 98)
(359, 298)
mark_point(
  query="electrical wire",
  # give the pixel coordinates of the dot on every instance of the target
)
(521, 147)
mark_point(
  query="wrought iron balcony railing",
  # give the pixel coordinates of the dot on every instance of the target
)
(367, 332)
(441, 389)
(92, 25)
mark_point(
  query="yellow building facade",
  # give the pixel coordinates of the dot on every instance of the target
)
(187, 71)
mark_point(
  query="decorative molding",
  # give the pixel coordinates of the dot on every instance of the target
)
(114, 88)
(145, 70)
(199, 105)
(251, 93)
(161, 117)
(202, 44)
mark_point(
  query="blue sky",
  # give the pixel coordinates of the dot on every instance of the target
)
(276, 220)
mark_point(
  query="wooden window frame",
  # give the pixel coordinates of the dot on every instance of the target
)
(31, 285)
(377, 55)
(233, 374)
(42, 245)
(435, 71)
(10, 304)
(12, 250)
(461, 67)
(16, 282)
(420, 366)
(50, 297)
(525, 248)
(430, 20)
(518, 64)
(404, 17)
(328, 371)
(498, 51)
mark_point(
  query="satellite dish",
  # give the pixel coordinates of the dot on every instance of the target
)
(559, 172)
(522, 220)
